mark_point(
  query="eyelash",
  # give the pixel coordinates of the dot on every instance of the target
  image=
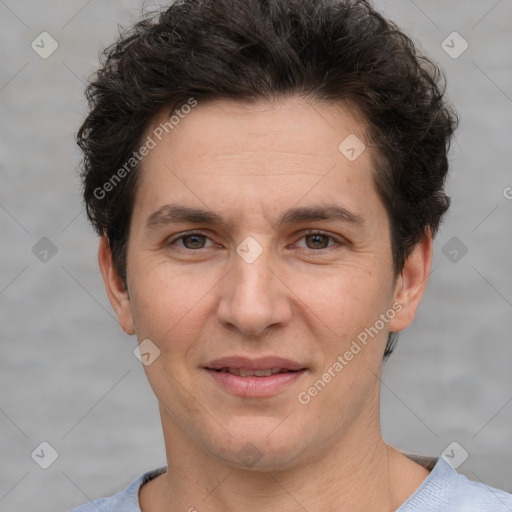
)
(337, 241)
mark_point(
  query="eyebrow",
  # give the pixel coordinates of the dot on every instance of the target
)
(174, 213)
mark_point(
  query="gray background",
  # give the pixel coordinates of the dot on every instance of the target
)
(68, 373)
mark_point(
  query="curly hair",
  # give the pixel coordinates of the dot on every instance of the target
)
(328, 50)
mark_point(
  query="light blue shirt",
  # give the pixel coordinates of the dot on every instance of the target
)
(444, 490)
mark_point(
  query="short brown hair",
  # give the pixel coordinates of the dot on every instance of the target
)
(332, 50)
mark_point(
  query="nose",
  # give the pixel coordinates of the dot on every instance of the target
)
(253, 298)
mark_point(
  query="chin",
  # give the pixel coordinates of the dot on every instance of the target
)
(257, 450)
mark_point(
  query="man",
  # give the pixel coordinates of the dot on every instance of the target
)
(266, 177)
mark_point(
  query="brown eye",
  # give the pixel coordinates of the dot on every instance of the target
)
(193, 241)
(317, 241)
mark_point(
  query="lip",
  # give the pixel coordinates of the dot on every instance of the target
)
(262, 363)
(253, 386)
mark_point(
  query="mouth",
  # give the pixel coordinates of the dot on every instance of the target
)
(262, 367)
(247, 372)
(254, 377)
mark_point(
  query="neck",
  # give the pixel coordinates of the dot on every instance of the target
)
(358, 472)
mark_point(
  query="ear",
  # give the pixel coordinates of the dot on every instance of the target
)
(116, 291)
(411, 283)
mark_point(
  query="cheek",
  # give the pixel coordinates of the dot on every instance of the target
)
(167, 307)
(347, 300)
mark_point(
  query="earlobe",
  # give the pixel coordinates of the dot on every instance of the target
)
(116, 291)
(412, 282)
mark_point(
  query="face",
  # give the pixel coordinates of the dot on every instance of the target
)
(259, 266)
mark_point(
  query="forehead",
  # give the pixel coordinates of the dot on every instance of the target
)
(224, 128)
(256, 155)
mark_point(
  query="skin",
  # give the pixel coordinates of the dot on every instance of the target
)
(301, 300)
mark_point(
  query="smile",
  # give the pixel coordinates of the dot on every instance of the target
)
(247, 372)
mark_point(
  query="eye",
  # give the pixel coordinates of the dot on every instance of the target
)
(317, 241)
(192, 240)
